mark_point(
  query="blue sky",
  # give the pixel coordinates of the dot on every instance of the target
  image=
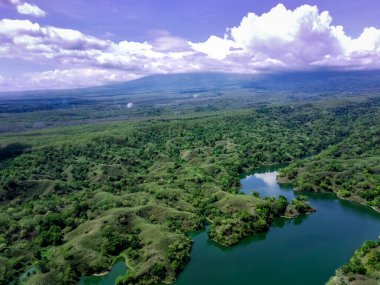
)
(60, 44)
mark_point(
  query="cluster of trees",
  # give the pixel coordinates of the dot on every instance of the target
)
(366, 260)
(115, 242)
(230, 229)
(177, 257)
(179, 253)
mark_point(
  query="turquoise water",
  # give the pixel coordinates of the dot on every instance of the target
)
(303, 251)
(118, 268)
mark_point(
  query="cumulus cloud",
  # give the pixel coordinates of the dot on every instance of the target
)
(30, 41)
(279, 40)
(294, 39)
(30, 9)
(214, 47)
(25, 8)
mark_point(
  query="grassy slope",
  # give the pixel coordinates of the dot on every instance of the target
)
(138, 188)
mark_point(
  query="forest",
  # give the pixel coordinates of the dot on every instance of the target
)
(350, 168)
(74, 198)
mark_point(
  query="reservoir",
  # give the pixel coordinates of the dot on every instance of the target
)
(302, 251)
(305, 250)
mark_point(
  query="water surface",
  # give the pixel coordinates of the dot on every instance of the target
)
(302, 251)
(118, 269)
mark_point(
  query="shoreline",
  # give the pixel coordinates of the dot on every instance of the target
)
(361, 203)
(104, 273)
(293, 217)
(287, 181)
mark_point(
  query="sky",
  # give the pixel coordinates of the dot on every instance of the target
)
(48, 44)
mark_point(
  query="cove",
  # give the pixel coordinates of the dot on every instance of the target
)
(118, 269)
(305, 250)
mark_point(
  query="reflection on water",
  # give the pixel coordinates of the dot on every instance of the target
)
(269, 178)
(280, 223)
(265, 183)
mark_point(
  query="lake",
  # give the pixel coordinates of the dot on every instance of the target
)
(300, 251)
(305, 250)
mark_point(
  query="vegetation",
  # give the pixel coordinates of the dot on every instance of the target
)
(228, 228)
(299, 206)
(74, 198)
(363, 267)
(350, 168)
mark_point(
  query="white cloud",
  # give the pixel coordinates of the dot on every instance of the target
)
(25, 8)
(369, 41)
(214, 47)
(282, 39)
(298, 39)
(30, 9)
(64, 79)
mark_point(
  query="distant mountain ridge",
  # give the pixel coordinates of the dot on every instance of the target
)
(323, 81)
(182, 93)
(187, 83)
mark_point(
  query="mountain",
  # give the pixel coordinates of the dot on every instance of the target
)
(185, 83)
(196, 90)
(324, 81)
